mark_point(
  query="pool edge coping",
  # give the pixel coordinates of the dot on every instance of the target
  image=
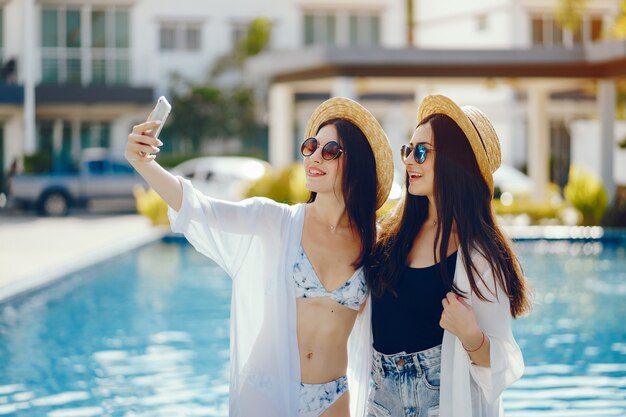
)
(33, 282)
(36, 281)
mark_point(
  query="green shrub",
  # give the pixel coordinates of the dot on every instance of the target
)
(587, 194)
(38, 162)
(535, 210)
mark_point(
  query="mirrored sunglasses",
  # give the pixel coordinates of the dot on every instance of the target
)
(419, 152)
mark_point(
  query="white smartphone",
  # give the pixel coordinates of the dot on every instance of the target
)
(160, 112)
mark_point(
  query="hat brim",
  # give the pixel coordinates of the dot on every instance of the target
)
(347, 109)
(469, 122)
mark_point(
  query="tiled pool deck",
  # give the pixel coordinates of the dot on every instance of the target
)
(35, 251)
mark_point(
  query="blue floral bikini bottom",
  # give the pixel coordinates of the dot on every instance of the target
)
(317, 398)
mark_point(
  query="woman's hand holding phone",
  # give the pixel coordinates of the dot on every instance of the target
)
(143, 142)
(142, 145)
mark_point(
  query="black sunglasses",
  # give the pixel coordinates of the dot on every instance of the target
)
(419, 152)
(332, 150)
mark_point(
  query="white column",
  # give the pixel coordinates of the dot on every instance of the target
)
(420, 92)
(538, 140)
(399, 128)
(344, 87)
(29, 46)
(281, 126)
(606, 110)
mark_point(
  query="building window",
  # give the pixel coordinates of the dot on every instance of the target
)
(537, 31)
(319, 29)
(557, 33)
(482, 21)
(110, 38)
(67, 147)
(94, 135)
(59, 149)
(341, 28)
(180, 36)
(239, 32)
(364, 29)
(596, 28)
(103, 57)
(546, 32)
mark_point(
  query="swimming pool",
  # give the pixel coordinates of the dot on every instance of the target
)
(147, 334)
(574, 342)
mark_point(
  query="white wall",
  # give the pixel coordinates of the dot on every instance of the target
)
(455, 24)
(13, 137)
(13, 31)
(13, 116)
(150, 66)
(154, 67)
(585, 137)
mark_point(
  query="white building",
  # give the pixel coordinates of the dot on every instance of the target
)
(87, 70)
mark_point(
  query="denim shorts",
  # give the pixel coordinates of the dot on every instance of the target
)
(405, 384)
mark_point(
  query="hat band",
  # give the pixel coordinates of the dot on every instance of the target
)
(482, 142)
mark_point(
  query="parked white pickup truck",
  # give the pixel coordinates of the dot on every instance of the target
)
(101, 175)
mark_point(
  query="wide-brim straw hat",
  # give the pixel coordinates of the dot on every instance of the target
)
(347, 109)
(479, 131)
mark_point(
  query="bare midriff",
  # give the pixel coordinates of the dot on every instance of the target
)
(323, 330)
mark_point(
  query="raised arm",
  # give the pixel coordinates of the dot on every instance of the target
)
(221, 230)
(140, 153)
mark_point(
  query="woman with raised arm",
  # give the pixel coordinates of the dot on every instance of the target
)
(297, 271)
(444, 279)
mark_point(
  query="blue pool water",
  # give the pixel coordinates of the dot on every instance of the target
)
(147, 335)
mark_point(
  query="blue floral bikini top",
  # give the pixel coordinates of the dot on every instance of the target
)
(351, 294)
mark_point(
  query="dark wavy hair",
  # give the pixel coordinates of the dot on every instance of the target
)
(358, 184)
(463, 199)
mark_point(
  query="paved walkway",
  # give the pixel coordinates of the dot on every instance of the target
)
(37, 250)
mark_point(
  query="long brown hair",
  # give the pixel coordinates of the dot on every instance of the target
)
(463, 199)
(359, 184)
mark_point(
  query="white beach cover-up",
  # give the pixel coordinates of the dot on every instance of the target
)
(469, 390)
(256, 242)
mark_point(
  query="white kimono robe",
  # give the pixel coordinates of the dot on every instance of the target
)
(469, 390)
(256, 241)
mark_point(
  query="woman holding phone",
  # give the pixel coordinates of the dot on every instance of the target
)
(298, 277)
(445, 281)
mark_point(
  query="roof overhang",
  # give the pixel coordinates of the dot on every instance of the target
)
(597, 60)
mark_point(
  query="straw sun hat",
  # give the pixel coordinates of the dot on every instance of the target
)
(350, 110)
(478, 129)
